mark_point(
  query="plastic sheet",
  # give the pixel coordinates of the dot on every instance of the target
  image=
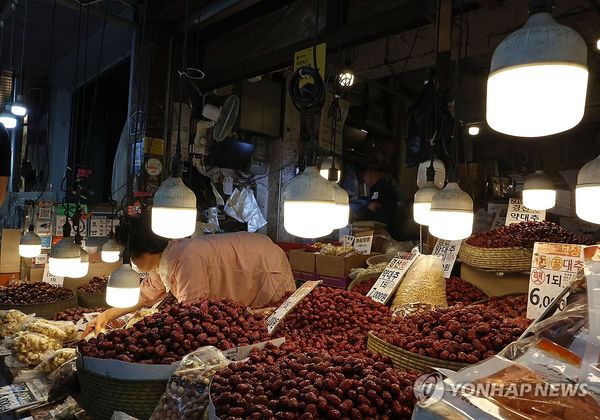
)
(243, 207)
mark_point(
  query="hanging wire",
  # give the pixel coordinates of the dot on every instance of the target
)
(23, 45)
(13, 6)
(176, 166)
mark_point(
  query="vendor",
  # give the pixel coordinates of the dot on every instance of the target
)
(383, 201)
(247, 268)
(4, 162)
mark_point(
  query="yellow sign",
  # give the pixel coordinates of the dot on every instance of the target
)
(305, 58)
(154, 146)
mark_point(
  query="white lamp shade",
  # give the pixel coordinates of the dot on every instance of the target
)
(422, 203)
(81, 269)
(18, 109)
(346, 79)
(439, 178)
(111, 251)
(174, 210)
(326, 165)
(308, 208)
(587, 192)
(539, 192)
(65, 258)
(538, 80)
(451, 216)
(8, 120)
(123, 288)
(30, 245)
(342, 207)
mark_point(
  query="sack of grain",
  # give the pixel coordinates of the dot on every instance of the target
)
(423, 284)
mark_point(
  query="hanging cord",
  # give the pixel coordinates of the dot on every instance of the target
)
(310, 97)
(453, 176)
(13, 6)
(22, 81)
(176, 166)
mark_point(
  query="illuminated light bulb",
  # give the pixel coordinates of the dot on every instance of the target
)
(123, 288)
(539, 192)
(30, 245)
(587, 192)
(8, 120)
(174, 210)
(111, 251)
(342, 207)
(473, 130)
(65, 258)
(346, 79)
(451, 216)
(422, 203)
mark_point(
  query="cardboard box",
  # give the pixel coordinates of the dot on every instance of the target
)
(494, 284)
(6, 278)
(303, 264)
(10, 261)
(332, 266)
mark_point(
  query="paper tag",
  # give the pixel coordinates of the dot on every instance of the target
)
(448, 250)
(362, 244)
(17, 396)
(517, 213)
(347, 240)
(274, 320)
(553, 267)
(91, 316)
(390, 279)
(52, 279)
(240, 353)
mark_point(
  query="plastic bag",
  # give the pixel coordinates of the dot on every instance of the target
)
(56, 359)
(11, 321)
(29, 348)
(60, 331)
(243, 207)
(66, 411)
(423, 284)
(63, 381)
(187, 395)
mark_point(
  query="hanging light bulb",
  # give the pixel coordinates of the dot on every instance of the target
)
(538, 78)
(8, 120)
(30, 245)
(422, 203)
(587, 192)
(539, 192)
(341, 208)
(451, 216)
(123, 288)
(18, 107)
(308, 206)
(81, 269)
(473, 130)
(326, 166)
(65, 258)
(111, 251)
(174, 210)
(346, 79)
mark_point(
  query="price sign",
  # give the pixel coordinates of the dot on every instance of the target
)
(347, 240)
(240, 353)
(553, 267)
(363, 244)
(517, 213)
(390, 279)
(51, 278)
(448, 250)
(274, 320)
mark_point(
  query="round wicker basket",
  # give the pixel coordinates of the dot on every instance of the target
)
(376, 259)
(44, 310)
(101, 396)
(505, 260)
(403, 359)
(91, 300)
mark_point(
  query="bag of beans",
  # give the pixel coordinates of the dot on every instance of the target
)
(187, 396)
(424, 286)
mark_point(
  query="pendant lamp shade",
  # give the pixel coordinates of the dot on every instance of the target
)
(111, 251)
(422, 203)
(81, 269)
(539, 192)
(538, 80)
(19, 108)
(451, 215)
(326, 165)
(308, 206)
(123, 288)
(587, 192)
(8, 120)
(341, 208)
(30, 245)
(174, 210)
(65, 258)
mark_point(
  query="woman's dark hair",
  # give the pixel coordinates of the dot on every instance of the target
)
(136, 231)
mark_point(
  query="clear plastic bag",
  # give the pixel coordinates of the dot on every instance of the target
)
(243, 207)
(423, 284)
(63, 381)
(11, 321)
(187, 394)
(60, 331)
(56, 359)
(30, 348)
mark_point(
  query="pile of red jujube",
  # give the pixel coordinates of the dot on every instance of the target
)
(96, 285)
(524, 235)
(295, 383)
(364, 286)
(333, 320)
(39, 292)
(167, 336)
(509, 306)
(74, 314)
(460, 292)
(459, 334)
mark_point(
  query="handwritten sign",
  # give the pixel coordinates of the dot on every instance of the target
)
(274, 320)
(517, 213)
(553, 268)
(363, 244)
(390, 279)
(448, 250)
(51, 278)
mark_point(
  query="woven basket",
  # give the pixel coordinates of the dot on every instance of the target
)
(376, 259)
(405, 360)
(91, 300)
(101, 396)
(44, 310)
(506, 260)
(363, 277)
